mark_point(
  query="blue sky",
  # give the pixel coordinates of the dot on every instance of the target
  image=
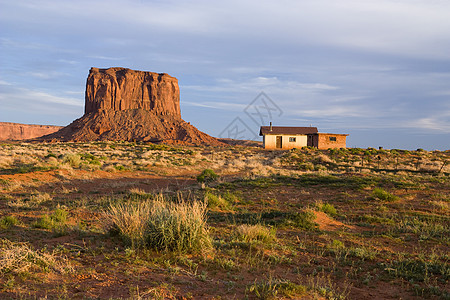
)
(377, 70)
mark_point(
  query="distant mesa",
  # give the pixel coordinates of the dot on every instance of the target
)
(19, 132)
(128, 105)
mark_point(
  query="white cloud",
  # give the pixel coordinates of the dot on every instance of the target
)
(4, 83)
(101, 57)
(46, 75)
(218, 105)
(20, 97)
(274, 84)
(439, 121)
(405, 27)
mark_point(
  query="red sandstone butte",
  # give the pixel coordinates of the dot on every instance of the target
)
(119, 89)
(128, 105)
(18, 132)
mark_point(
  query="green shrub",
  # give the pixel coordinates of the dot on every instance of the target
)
(8, 221)
(336, 244)
(60, 216)
(90, 159)
(381, 194)
(45, 222)
(56, 221)
(231, 197)
(207, 176)
(303, 219)
(161, 224)
(119, 168)
(328, 209)
(216, 201)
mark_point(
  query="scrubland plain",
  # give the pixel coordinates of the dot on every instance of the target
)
(142, 221)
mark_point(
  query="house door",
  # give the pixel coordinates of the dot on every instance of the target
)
(279, 142)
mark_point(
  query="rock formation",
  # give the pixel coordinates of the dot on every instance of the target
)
(119, 89)
(127, 105)
(16, 131)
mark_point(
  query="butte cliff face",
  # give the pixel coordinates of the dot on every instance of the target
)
(119, 89)
(127, 105)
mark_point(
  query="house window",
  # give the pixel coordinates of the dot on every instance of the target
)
(292, 139)
(332, 139)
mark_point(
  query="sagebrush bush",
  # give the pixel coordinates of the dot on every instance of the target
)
(381, 194)
(207, 175)
(73, 160)
(161, 224)
(56, 221)
(8, 221)
(329, 209)
(216, 201)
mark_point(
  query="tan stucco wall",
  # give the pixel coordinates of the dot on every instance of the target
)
(270, 141)
(322, 141)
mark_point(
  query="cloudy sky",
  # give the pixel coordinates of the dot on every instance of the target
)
(378, 70)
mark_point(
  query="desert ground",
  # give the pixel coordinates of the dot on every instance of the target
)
(113, 220)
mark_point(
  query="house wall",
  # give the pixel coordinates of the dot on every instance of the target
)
(322, 141)
(270, 141)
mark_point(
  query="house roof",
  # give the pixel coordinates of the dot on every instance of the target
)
(287, 130)
(323, 133)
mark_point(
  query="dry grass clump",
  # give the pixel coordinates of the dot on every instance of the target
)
(39, 198)
(130, 221)
(52, 161)
(138, 191)
(34, 201)
(73, 160)
(5, 161)
(161, 224)
(443, 206)
(324, 158)
(252, 233)
(25, 160)
(109, 168)
(19, 258)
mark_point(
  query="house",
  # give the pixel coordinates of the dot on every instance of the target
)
(282, 137)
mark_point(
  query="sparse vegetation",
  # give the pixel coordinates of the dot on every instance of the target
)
(129, 220)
